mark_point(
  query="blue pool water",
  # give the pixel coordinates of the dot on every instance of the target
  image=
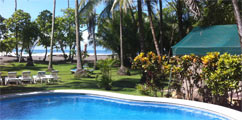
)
(87, 107)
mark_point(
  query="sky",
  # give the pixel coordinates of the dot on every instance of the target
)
(34, 7)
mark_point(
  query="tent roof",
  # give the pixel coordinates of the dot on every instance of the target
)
(221, 38)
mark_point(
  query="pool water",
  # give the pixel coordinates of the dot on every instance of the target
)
(88, 107)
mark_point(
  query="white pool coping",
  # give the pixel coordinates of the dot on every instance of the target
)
(219, 110)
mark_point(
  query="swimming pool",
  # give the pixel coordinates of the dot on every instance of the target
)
(93, 107)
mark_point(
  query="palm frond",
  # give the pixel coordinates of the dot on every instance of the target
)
(106, 12)
(193, 7)
(91, 24)
(115, 3)
(88, 6)
(81, 4)
(123, 4)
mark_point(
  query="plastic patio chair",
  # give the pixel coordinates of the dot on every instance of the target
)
(54, 75)
(40, 77)
(1, 80)
(12, 77)
(26, 77)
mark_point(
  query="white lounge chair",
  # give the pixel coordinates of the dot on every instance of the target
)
(26, 77)
(1, 80)
(40, 77)
(54, 75)
(12, 77)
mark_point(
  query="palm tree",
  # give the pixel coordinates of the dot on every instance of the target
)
(16, 34)
(238, 19)
(91, 24)
(68, 3)
(78, 46)
(69, 30)
(123, 5)
(161, 22)
(179, 17)
(192, 6)
(50, 67)
(110, 5)
(84, 8)
(148, 3)
(141, 26)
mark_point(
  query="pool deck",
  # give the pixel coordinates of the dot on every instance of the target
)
(219, 110)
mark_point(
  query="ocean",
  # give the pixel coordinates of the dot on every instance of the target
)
(91, 52)
(40, 52)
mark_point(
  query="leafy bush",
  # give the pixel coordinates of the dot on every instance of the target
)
(222, 74)
(143, 89)
(189, 73)
(105, 81)
(155, 71)
(213, 75)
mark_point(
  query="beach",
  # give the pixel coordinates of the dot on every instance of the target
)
(39, 57)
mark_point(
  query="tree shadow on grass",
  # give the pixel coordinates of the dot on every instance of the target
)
(135, 72)
(124, 84)
(82, 84)
(19, 89)
(20, 67)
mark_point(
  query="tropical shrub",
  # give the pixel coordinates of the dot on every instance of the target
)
(215, 77)
(143, 89)
(174, 82)
(222, 74)
(155, 72)
(105, 80)
(189, 73)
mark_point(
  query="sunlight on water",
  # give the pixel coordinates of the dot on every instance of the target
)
(86, 107)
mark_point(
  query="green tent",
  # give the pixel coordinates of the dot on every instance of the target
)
(221, 38)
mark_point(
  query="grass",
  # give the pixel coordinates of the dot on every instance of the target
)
(121, 84)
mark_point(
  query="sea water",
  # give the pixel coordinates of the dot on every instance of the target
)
(41, 52)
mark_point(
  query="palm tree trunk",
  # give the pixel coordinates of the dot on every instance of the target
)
(72, 55)
(69, 31)
(21, 53)
(132, 14)
(50, 67)
(69, 57)
(30, 59)
(63, 51)
(121, 38)
(30, 56)
(179, 15)
(16, 46)
(45, 53)
(95, 51)
(152, 28)
(78, 46)
(238, 19)
(68, 3)
(172, 37)
(141, 26)
(16, 5)
(161, 22)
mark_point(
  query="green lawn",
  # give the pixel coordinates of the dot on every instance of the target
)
(121, 84)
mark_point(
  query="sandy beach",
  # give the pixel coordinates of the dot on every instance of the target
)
(56, 58)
